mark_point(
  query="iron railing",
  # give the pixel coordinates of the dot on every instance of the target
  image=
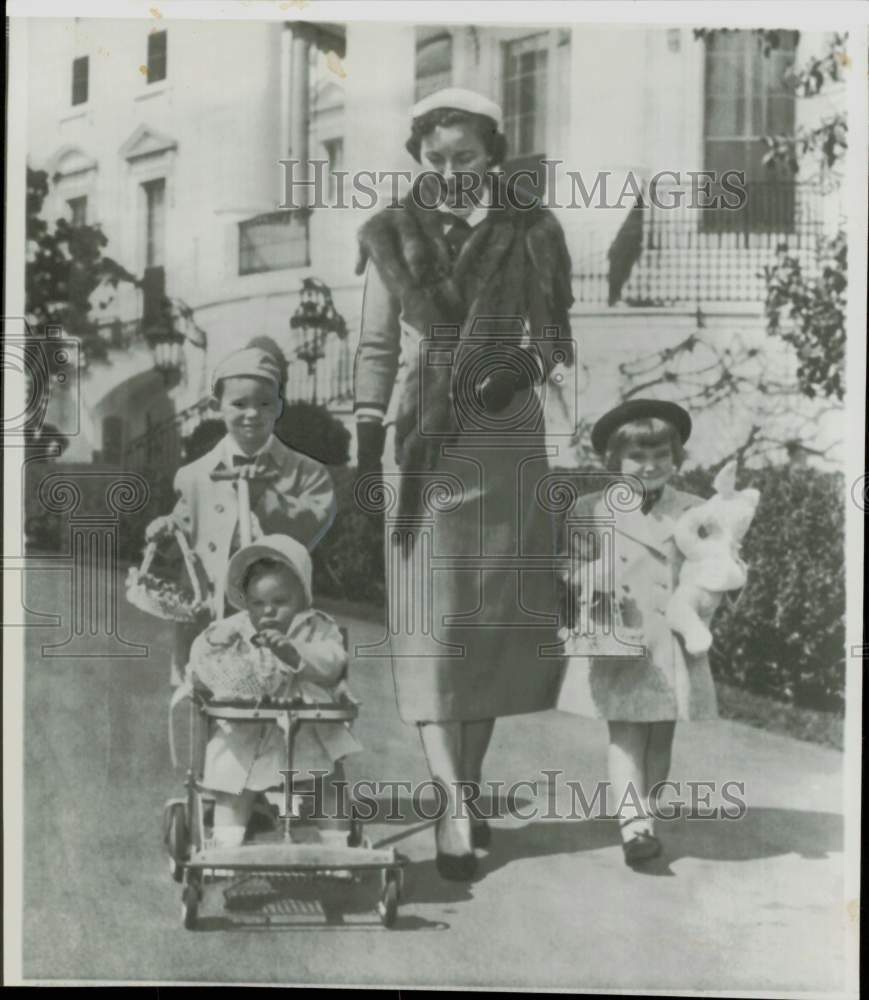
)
(663, 256)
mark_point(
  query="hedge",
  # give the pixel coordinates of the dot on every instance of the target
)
(785, 636)
(348, 562)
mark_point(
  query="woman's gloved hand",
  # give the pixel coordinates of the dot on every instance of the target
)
(370, 438)
(496, 390)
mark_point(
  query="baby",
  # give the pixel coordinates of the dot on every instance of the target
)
(289, 650)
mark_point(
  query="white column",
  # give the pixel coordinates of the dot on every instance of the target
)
(380, 79)
(608, 121)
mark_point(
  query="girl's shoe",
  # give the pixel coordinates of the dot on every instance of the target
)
(640, 846)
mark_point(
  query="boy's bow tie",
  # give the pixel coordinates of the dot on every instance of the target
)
(244, 460)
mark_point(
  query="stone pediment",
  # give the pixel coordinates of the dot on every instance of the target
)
(146, 141)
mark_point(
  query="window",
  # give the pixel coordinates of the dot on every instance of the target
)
(525, 94)
(80, 80)
(746, 98)
(78, 211)
(434, 64)
(525, 83)
(273, 242)
(157, 56)
(155, 222)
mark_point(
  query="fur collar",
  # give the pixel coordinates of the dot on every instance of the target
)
(407, 245)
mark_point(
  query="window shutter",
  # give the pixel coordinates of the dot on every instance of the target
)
(80, 80)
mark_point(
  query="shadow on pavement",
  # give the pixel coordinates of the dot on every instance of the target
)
(761, 833)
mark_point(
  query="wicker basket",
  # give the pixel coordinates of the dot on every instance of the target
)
(168, 599)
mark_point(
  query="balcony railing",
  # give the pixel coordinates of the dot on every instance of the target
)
(160, 449)
(664, 256)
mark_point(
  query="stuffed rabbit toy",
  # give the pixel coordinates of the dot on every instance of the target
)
(709, 536)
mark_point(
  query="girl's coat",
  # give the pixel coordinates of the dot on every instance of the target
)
(666, 683)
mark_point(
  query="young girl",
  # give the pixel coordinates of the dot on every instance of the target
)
(641, 696)
(294, 650)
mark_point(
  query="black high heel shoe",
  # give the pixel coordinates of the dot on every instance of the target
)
(455, 867)
(481, 833)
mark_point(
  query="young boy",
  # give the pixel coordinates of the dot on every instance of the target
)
(298, 652)
(299, 501)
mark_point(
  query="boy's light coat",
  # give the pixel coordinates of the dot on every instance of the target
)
(300, 503)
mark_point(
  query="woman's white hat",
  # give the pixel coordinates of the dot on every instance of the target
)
(461, 100)
(281, 548)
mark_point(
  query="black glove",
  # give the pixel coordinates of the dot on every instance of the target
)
(496, 390)
(370, 438)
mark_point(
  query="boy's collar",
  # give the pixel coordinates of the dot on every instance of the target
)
(231, 448)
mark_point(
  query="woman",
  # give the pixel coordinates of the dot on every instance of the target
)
(467, 293)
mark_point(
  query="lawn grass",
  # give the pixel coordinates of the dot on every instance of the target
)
(811, 725)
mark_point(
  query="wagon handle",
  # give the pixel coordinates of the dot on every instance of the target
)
(231, 475)
(189, 565)
(148, 557)
(243, 486)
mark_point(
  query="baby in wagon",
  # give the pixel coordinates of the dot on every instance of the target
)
(277, 645)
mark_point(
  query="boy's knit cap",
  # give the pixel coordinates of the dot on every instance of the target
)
(250, 362)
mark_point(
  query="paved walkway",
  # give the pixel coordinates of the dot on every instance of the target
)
(740, 905)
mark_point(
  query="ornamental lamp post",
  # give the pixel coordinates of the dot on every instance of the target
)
(165, 332)
(315, 318)
(167, 347)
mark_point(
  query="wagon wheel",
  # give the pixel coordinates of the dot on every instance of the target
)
(190, 898)
(387, 907)
(178, 841)
(356, 834)
(332, 911)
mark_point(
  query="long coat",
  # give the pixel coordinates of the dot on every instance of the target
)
(666, 683)
(470, 548)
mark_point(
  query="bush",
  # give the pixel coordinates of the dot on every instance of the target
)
(313, 430)
(785, 636)
(348, 563)
(202, 439)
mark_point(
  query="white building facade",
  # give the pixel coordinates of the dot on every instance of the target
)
(170, 135)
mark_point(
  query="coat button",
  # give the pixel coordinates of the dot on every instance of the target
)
(219, 508)
(212, 547)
